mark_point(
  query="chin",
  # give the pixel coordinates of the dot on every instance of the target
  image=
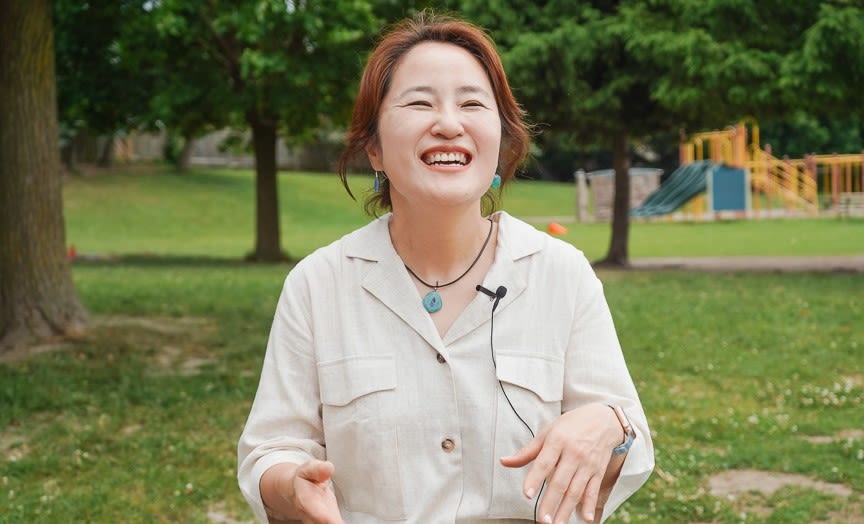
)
(459, 199)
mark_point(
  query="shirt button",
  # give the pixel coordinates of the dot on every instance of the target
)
(441, 358)
(448, 445)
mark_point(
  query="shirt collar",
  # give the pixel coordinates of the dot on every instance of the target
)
(388, 280)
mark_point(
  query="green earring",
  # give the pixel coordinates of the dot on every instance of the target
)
(496, 181)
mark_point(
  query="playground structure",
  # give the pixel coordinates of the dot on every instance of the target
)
(728, 174)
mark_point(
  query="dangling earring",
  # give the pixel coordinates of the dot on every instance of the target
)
(496, 181)
(376, 186)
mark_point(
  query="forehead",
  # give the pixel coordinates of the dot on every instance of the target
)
(440, 61)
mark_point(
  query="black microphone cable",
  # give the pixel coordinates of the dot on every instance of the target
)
(497, 296)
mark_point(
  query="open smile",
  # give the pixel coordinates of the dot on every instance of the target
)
(451, 158)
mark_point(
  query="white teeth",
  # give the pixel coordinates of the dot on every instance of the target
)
(446, 158)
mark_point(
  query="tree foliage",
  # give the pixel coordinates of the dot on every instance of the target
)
(572, 69)
(602, 71)
(595, 73)
(100, 87)
(825, 73)
(286, 60)
(276, 66)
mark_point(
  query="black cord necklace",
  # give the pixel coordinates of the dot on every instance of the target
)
(432, 301)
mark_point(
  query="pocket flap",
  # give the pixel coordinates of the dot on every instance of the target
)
(541, 374)
(346, 379)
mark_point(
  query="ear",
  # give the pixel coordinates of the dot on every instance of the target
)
(373, 153)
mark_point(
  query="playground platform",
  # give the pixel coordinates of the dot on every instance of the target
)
(730, 174)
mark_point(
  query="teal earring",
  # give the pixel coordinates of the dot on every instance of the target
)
(496, 181)
(376, 186)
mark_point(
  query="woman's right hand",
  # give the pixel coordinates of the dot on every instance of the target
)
(301, 493)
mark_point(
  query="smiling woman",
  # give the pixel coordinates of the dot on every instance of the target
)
(439, 132)
(416, 365)
(377, 80)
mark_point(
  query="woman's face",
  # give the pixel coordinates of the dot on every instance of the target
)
(439, 131)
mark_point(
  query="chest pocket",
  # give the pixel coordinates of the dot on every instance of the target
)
(535, 386)
(539, 374)
(359, 410)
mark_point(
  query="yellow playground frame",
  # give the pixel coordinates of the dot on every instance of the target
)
(778, 186)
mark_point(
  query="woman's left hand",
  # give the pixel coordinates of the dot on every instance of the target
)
(572, 454)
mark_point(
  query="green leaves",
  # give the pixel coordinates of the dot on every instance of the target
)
(828, 70)
(194, 65)
(588, 68)
(570, 65)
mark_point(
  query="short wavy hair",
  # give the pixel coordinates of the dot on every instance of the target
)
(427, 26)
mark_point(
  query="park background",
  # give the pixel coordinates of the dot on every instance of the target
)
(753, 381)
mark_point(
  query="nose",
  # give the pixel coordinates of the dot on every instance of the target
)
(448, 124)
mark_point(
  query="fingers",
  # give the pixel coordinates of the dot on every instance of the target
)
(317, 471)
(313, 497)
(589, 499)
(557, 492)
(550, 460)
(581, 492)
(526, 454)
(572, 457)
(573, 470)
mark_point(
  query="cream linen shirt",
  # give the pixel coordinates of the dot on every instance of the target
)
(356, 373)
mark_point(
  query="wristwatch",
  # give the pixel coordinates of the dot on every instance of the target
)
(629, 433)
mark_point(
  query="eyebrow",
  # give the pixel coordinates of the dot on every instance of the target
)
(466, 89)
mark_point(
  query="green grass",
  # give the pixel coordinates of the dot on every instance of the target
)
(137, 421)
(210, 213)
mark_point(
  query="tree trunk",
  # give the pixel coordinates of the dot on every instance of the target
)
(267, 248)
(69, 155)
(37, 294)
(185, 154)
(618, 255)
(106, 159)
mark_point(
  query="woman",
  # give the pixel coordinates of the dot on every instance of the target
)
(439, 365)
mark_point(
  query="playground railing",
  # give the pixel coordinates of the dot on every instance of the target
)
(790, 181)
(837, 174)
(800, 184)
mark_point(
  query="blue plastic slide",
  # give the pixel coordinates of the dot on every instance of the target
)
(683, 185)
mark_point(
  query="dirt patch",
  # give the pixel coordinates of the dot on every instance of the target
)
(20, 353)
(736, 482)
(217, 515)
(759, 264)
(840, 436)
(13, 446)
(855, 380)
(160, 334)
(175, 360)
(854, 514)
(163, 325)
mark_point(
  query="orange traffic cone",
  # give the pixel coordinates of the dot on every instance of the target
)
(554, 228)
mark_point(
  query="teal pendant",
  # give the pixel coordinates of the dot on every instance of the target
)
(432, 302)
(496, 181)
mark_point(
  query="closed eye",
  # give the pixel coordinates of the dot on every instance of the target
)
(418, 103)
(474, 103)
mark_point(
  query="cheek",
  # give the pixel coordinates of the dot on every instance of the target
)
(492, 141)
(492, 131)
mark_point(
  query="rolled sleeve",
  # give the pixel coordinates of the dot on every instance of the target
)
(597, 372)
(284, 424)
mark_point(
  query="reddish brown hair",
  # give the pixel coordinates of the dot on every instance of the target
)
(375, 83)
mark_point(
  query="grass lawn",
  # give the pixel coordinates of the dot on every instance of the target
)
(137, 421)
(209, 213)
